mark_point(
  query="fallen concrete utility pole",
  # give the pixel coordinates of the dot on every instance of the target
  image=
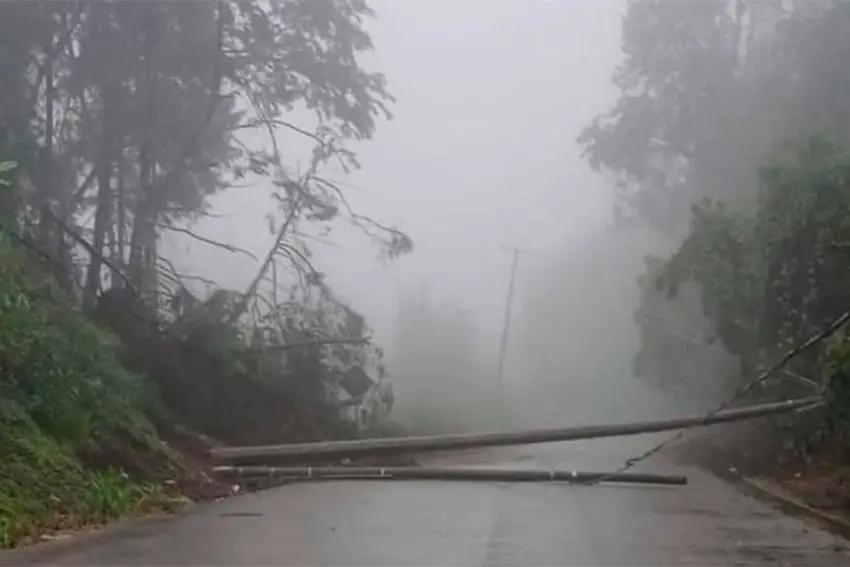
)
(327, 450)
(442, 473)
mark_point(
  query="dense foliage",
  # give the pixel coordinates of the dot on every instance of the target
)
(125, 118)
(67, 409)
(731, 131)
(118, 122)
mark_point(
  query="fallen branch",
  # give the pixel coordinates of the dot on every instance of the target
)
(270, 454)
(427, 473)
(307, 344)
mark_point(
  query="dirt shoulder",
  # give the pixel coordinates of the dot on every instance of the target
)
(820, 480)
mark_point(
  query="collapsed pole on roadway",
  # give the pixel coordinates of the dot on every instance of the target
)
(442, 473)
(328, 450)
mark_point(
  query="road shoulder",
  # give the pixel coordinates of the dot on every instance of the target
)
(772, 493)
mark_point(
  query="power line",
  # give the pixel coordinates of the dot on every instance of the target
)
(746, 388)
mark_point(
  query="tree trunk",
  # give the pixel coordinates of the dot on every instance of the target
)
(45, 189)
(102, 218)
(121, 217)
(103, 213)
(143, 239)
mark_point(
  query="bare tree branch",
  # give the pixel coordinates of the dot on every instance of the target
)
(84, 186)
(266, 122)
(184, 211)
(398, 238)
(295, 208)
(91, 250)
(184, 277)
(291, 251)
(314, 238)
(314, 342)
(207, 240)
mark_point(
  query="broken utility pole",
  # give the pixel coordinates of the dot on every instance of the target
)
(442, 473)
(326, 450)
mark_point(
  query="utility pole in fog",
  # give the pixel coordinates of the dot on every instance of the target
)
(503, 345)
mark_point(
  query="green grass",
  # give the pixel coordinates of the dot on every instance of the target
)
(76, 446)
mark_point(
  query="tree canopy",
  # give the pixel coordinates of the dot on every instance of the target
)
(125, 118)
(136, 113)
(731, 131)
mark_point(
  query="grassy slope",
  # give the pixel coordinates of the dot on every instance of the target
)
(75, 444)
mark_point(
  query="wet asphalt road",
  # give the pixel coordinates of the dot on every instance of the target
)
(420, 523)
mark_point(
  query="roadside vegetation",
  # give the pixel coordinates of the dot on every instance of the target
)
(730, 136)
(76, 440)
(118, 123)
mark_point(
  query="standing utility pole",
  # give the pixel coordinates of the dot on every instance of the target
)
(503, 345)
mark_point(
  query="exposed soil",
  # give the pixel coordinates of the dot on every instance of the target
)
(196, 480)
(821, 480)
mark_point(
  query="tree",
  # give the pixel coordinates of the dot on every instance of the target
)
(769, 281)
(138, 108)
(704, 94)
(135, 113)
(746, 246)
(680, 60)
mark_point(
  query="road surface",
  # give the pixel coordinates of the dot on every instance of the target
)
(420, 523)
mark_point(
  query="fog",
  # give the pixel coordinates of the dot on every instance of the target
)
(480, 156)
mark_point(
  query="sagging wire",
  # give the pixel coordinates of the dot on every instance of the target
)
(743, 390)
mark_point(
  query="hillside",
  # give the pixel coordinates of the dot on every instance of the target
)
(77, 444)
